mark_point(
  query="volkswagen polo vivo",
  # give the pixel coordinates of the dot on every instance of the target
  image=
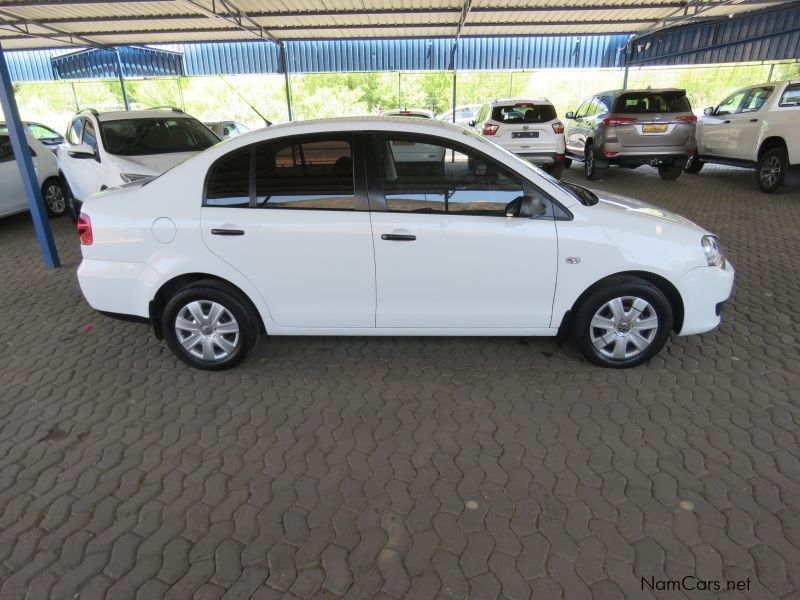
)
(315, 228)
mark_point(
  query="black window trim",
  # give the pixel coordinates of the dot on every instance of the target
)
(377, 194)
(790, 87)
(360, 203)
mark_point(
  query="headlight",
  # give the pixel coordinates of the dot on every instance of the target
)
(713, 252)
(131, 177)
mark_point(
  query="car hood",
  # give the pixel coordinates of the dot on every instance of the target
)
(150, 164)
(634, 207)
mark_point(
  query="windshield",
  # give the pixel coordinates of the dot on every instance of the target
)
(137, 137)
(584, 196)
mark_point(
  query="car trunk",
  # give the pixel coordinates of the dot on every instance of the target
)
(525, 128)
(652, 130)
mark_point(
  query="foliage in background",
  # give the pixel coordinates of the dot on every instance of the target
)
(323, 95)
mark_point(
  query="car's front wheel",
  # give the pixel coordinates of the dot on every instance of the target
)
(55, 200)
(693, 164)
(623, 323)
(209, 326)
(772, 170)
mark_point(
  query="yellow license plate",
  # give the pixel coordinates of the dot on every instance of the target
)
(654, 128)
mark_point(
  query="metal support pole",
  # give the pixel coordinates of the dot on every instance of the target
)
(180, 93)
(121, 75)
(771, 71)
(399, 94)
(625, 79)
(75, 97)
(30, 183)
(285, 67)
(453, 59)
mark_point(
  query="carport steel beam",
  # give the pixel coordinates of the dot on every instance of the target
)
(30, 182)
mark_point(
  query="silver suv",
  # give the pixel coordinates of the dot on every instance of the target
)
(631, 128)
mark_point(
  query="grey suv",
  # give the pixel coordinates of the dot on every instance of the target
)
(631, 128)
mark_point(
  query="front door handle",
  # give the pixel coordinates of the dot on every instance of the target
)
(727, 121)
(398, 237)
(227, 232)
(754, 120)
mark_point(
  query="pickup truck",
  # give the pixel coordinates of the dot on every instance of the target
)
(757, 127)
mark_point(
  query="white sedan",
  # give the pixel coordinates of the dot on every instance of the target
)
(12, 198)
(314, 228)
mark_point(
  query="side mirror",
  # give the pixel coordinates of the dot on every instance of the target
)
(472, 123)
(82, 151)
(708, 111)
(525, 207)
(570, 115)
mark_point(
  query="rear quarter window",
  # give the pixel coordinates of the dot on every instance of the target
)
(652, 102)
(524, 113)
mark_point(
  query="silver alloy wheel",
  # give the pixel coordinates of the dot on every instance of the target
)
(623, 327)
(207, 330)
(590, 162)
(54, 198)
(770, 171)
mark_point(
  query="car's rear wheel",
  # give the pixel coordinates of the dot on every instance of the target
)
(55, 200)
(623, 323)
(670, 171)
(694, 164)
(590, 168)
(771, 171)
(209, 326)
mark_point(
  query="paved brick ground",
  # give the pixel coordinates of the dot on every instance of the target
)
(414, 468)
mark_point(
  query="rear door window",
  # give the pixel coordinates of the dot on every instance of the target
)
(755, 99)
(791, 95)
(653, 102)
(524, 112)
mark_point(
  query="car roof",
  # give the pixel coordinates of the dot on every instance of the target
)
(409, 111)
(506, 101)
(639, 91)
(118, 115)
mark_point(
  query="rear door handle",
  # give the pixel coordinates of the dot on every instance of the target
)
(727, 121)
(227, 232)
(397, 237)
(754, 120)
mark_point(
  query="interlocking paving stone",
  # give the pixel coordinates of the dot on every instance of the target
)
(406, 467)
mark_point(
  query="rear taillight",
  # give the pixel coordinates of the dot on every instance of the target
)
(618, 121)
(558, 127)
(85, 230)
(490, 129)
(687, 119)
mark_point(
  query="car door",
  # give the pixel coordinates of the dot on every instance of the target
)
(292, 216)
(746, 124)
(446, 253)
(718, 135)
(84, 174)
(12, 199)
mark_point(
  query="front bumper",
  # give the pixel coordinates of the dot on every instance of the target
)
(704, 290)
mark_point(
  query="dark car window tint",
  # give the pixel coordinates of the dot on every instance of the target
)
(524, 112)
(139, 137)
(6, 152)
(229, 181)
(75, 132)
(431, 177)
(791, 96)
(89, 136)
(305, 174)
(653, 102)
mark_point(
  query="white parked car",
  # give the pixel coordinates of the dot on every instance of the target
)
(313, 228)
(756, 127)
(409, 113)
(46, 135)
(227, 129)
(528, 128)
(12, 198)
(415, 154)
(105, 150)
(464, 114)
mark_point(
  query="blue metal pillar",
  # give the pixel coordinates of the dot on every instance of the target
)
(30, 183)
(121, 75)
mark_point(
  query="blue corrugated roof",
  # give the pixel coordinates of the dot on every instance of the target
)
(771, 34)
(136, 62)
(30, 65)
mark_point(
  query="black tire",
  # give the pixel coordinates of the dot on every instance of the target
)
(54, 196)
(567, 162)
(238, 310)
(556, 169)
(693, 164)
(771, 171)
(669, 172)
(596, 303)
(590, 168)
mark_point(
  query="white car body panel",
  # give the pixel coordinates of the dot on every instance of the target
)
(12, 198)
(291, 262)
